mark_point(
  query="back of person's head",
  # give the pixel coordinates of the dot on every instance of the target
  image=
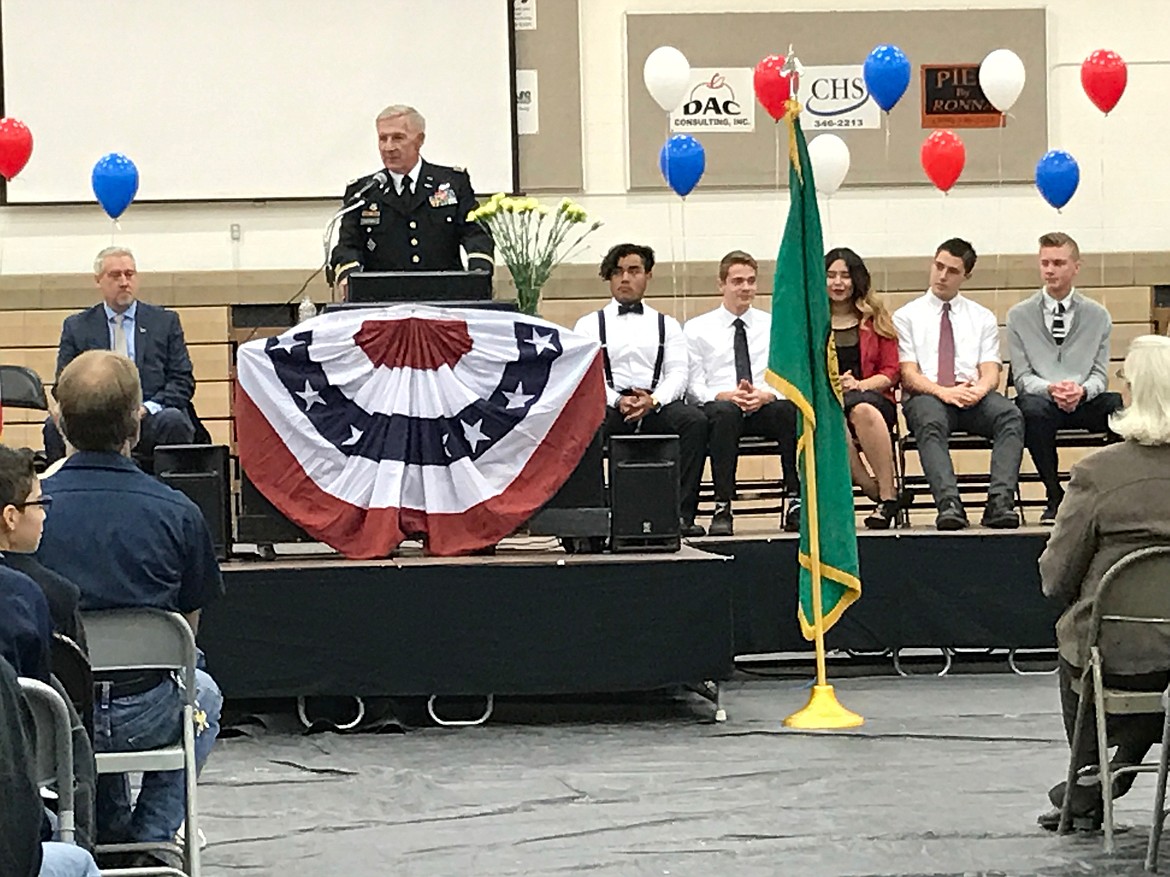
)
(99, 395)
(618, 252)
(1146, 420)
(960, 249)
(17, 474)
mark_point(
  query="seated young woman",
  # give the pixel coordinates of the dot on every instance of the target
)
(867, 357)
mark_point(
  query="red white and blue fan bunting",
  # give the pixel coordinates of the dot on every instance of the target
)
(366, 427)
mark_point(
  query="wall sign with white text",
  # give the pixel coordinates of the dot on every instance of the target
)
(835, 97)
(720, 99)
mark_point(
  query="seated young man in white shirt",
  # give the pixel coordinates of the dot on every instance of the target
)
(645, 357)
(949, 351)
(729, 354)
(1059, 344)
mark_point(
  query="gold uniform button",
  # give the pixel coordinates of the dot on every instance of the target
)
(413, 224)
(414, 242)
(414, 258)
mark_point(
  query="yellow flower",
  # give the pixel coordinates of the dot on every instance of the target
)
(564, 205)
(508, 205)
(497, 198)
(542, 210)
(488, 210)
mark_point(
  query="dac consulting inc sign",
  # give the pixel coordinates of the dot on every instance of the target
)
(720, 99)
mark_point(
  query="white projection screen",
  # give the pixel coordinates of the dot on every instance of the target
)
(251, 99)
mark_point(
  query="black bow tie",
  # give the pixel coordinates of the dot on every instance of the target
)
(635, 308)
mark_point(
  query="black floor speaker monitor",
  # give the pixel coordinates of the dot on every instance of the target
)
(201, 472)
(644, 494)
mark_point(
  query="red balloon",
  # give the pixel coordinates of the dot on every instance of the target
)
(15, 147)
(1103, 77)
(943, 157)
(773, 87)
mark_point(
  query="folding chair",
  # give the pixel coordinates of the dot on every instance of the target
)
(54, 749)
(150, 639)
(71, 668)
(1134, 591)
(1160, 814)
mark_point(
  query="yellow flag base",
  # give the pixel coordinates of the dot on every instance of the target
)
(823, 712)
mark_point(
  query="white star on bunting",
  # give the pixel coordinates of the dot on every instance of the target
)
(287, 343)
(473, 433)
(540, 342)
(519, 398)
(355, 435)
(310, 396)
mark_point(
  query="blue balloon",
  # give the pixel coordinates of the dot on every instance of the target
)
(1057, 177)
(115, 182)
(887, 74)
(682, 161)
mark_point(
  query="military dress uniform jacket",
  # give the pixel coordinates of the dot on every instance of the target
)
(414, 232)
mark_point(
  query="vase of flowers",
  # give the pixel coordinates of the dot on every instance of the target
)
(531, 237)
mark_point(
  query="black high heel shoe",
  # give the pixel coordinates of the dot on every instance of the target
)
(883, 516)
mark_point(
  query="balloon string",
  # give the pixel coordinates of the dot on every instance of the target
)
(683, 235)
(1101, 210)
(999, 200)
(776, 131)
(670, 224)
(886, 126)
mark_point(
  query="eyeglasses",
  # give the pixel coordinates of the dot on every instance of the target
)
(45, 501)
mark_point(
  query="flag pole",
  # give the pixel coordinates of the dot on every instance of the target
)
(823, 711)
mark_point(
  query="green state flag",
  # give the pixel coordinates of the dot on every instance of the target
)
(802, 364)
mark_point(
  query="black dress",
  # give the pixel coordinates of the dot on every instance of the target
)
(848, 342)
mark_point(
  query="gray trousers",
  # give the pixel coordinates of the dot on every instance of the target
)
(994, 417)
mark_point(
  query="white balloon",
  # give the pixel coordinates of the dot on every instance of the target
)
(667, 75)
(1001, 76)
(829, 155)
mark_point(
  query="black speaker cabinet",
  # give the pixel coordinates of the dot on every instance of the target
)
(201, 472)
(578, 510)
(262, 523)
(644, 493)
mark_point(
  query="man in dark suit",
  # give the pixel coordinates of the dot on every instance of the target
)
(149, 335)
(415, 214)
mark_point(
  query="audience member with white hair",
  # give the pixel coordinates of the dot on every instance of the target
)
(1117, 501)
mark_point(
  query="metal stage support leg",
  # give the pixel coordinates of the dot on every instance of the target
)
(489, 705)
(1019, 672)
(348, 726)
(947, 657)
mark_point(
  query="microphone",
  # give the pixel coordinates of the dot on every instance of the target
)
(379, 179)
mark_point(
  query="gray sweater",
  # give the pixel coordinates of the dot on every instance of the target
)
(1038, 361)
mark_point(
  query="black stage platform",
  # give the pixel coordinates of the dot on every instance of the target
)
(975, 588)
(520, 622)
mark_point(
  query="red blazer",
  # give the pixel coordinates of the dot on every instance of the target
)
(879, 356)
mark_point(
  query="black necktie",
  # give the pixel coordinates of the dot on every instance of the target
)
(405, 193)
(635, 308)
(743, 362)
(1059, 330)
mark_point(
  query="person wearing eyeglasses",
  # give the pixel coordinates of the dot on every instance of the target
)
(26, 627)
(1117, 501)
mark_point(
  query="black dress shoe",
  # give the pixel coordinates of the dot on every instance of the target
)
(690, 530)
(1000, 514)
(950, 516)
(1092, 821)
(721, 523)
(792, 515)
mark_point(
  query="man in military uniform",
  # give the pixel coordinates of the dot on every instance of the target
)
(415, 221)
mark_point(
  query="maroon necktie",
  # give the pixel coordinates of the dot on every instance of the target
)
(946, 348)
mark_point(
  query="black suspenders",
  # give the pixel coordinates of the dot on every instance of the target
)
(605, 350)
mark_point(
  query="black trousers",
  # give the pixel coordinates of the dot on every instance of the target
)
(1043, 417)
(677, 418)
(1133, 735)
(169, 427)
(726, 423)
